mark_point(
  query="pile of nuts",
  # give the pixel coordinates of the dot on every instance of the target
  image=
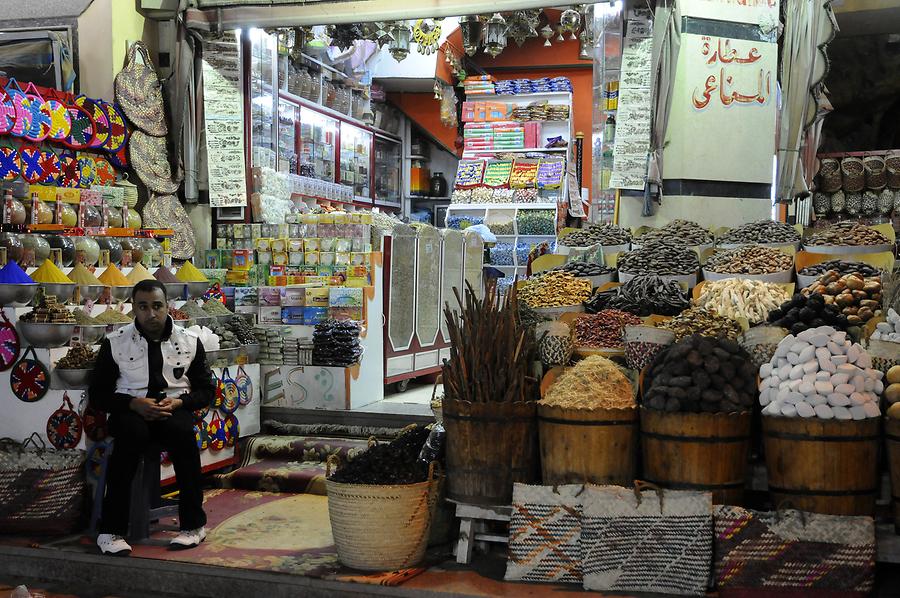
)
(79, 357)
(820, 373)
(741, 298)
(762, 231)
(840, 267)
(697, 320)
(642, 295)
(584, 269)
(857, 296)
(660, 259)
(889, 330)
(848, 233)
(679, 232)
(749, 259)
(554, 289)
(892, 392)
(604, 234)
(604, 329)
(702, 374)
(807, 311)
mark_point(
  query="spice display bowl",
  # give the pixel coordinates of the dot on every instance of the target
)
(241, 355)
(847, 249)
(201, 321)
(17, 295)
(71, 379)
(115, 326)
(776, 277)
(63, 291)
(91, 333)
(195, 290)
(122, 293)
(555, 312)
(174, 290)
(90, 292)
(45, 335)
(601, 279)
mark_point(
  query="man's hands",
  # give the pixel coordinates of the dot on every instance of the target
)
(150, 410)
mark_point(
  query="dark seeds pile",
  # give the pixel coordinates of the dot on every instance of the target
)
(642, 296)
(336, 343)
(801, 312)
(393, 463)
(702, 374)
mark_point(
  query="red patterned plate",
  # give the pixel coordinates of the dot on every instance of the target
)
(29, 378)
(101, 120)
(69, 175)
(9, 343)
(81, 133)
(105, 173)
(50, 167)
(22, 106)
(30, 164)
(9, 164)
(64, 426)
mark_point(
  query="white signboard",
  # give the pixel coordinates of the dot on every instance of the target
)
(223, 111)
(722, 123)
(756, 12)
(633, 122)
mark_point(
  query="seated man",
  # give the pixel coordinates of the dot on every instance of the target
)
(150, 376)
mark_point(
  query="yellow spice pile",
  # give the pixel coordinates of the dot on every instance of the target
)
(593, 383)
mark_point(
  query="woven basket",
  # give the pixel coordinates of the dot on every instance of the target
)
(167, 212)
(854, 203)
(838, 202)
(892, 166)
(131, 193)
(41, 489)
(643, 343)
(761, 343)
(830, 175)
(853, 174)
(876, 175)
(381, 528)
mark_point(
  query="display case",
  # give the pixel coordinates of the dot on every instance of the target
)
(262, 101)
(387, 170)
(317, 137)
(451, 276)
(288, 118)
(356, 160)
(428, 284)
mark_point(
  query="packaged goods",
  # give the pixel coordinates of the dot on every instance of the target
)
(336, 343)
(749, 259)
(554, 289)
(701, 374)
(49, 273)
(740, 298)
(762, 231)
(657, 257)
(603, 329)
(857, 297)
(593, 383)
(536, 222)
(820, 373)
(701, 321)
(642, 296)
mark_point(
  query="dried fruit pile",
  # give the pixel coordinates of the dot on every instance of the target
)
(857, 296)
(394, 463)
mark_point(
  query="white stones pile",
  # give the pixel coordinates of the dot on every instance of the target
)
(890, 330)
(820, 373)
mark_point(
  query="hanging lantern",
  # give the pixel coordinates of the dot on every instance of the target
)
(438, 91)
(522, 25)
(399, 44)
(495, 35)
(547, 33)
(470, 27)
(570, 20)
(585, 51)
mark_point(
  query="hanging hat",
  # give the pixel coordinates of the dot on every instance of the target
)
(149, 158)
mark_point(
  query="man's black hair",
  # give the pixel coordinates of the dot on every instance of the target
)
(147, 286)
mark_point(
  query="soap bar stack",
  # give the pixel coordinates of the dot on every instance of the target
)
(888, 331)
(820, 373)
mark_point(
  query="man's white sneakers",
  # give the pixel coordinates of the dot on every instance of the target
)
(113, 544)
(188, 538)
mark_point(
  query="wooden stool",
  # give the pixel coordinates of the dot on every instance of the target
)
(472, 527)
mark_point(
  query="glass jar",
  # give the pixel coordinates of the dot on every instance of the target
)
(66, 247)
(113, 246)
(91, 217)
(136, 247)
(37, 244)
(17, 212)
(68, 215)
(115, 218)
(438, 185)
(44, 212)
(134, 219)
(13, 245)
(89, 248)
(330, 95)
(153, 248)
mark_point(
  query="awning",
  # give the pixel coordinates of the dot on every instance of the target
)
(214, 15)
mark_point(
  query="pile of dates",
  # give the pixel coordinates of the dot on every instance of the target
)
(858, 297)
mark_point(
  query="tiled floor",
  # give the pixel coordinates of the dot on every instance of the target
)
(415, 401)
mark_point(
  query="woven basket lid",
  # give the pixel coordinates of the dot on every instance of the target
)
(149, 158)
(138, 92)
(165, 211)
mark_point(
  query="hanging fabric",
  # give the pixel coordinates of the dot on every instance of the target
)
(9, 343)
(64, 426)
(29, 379)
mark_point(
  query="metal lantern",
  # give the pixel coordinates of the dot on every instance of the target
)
(399, 44)
(569, 21)
(522, 25)
(547, 33)
(587, 34)
(470, 27)
(495, 35)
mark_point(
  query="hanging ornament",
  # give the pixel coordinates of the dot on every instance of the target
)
(427, 35)
(547, 33)
(570, 20)
(64, 426)
(495, 35)
(559, 34)
(399, 44)
(244, 385)
(586, 48)
(470, 26)
(344, 36)
(438, 92)
(523, 24)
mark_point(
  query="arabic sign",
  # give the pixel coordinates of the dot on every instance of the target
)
(722, 123)
(734, 11)
(632, 142)
(223, 115)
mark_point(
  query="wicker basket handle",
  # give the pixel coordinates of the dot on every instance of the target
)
(36, 441)
(641, 485)
(438, 380)
(334, 460)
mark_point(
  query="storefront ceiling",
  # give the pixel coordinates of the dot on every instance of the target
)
(237, 14)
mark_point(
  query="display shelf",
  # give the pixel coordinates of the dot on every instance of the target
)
(526, 97)
(502, 206)
(78, 231)
(286, 95)
(474, 153)
(417, 157)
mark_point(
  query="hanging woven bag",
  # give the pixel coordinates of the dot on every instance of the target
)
(244, 386)
(64, 426)
(853, 174)
(876, 175)
(29, 378)
(9, 343)
(139, 93)
(149, 157)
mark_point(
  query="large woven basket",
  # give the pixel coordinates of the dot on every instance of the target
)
(830, 175)
(853, 174)
(892, 166)
(381, 528)
(876, 175)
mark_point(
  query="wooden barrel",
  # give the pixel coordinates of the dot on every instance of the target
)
(489, 447)
(578, 445)
(892, 438)
(823, 466)
(697, 451)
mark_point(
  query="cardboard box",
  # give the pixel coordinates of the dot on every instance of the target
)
(270, 315)
(346, 313)
(293, 296)
(314, 315)
(247, 296)
(269, 296)
(345, 297)
(293, 315)
(317, 297)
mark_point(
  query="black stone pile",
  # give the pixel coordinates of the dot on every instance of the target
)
(336, 343)
(394, 463)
